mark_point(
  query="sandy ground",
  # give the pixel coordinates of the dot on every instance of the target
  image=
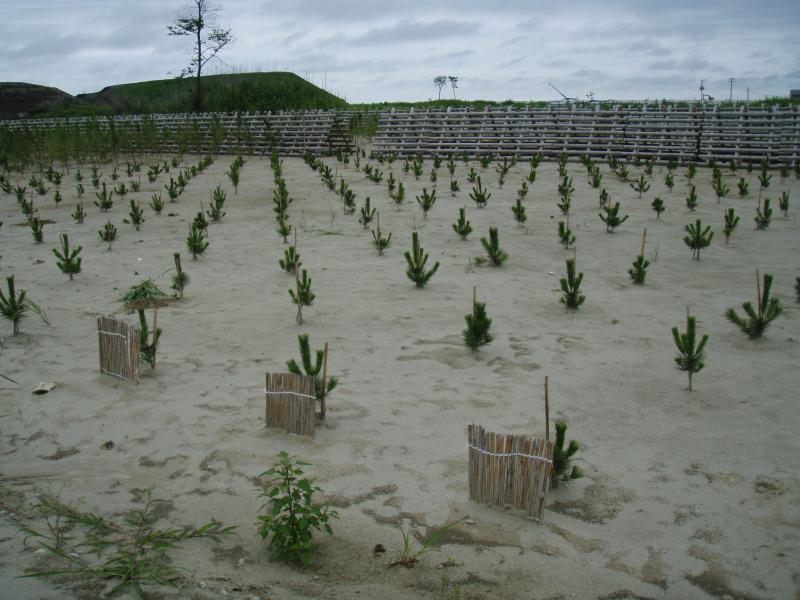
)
(686, 495)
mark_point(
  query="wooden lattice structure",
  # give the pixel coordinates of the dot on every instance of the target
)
(119, 348)
(291, 402)
(697, 132)
(509, 470)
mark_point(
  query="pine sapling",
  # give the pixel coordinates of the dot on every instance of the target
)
(565, 235)
(638, 271)
(156, 203)
(571, 286)
(495, 255)
(640, 185)
(173, 190)
(136, 215)
(322, 386)
(783, 203)
(604, 197)
(368, 213)
(720, 189)
(744, 187)
(148, 341)
(518, 209)
(400, 194)
(13, 306)
(462, 226)
(218, 198)
(763, 215)
(611, 217)
(454, 188)
(757, 320)
(690, 358)
(79, 189)
(180, 279)
(380, 242)
(669, 181)
(68, 260)
(764, 179)
(472, 175)
(480, 195)
(105, 199)
(302, 294)
(37, 227)
(234, 175)
(426, 201)
(478, 324)
(658, 205)
(196, 242)
(697, 238)
(691, 199)
(391, 182)
(563, 469)
(79, 214)
(57, 198)
(108, 233)
(290, 260)
(284, 229)
(416, 259)
(731, 221)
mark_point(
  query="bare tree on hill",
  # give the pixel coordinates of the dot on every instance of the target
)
(198, 20)
(440, 81)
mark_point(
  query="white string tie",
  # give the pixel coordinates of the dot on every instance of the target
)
(509, 454)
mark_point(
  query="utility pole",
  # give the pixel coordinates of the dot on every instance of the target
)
(731, 79)
(702, 90)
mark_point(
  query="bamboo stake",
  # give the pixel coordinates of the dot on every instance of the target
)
(299, 317)
(644, 237)
(758, 294)
(474, 303)
(295, 250)
(324, 380)
(546, 410)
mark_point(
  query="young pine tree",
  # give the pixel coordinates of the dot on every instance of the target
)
(565, 235)
(380, 242)
(697, 238)
(291, 259)
(571, 285)
(638, 271)
(462, 226)
(108, 233)
(302, 294)
(368, 213)
(731, 221)
(136, 215)
(13, 306)
(691, 358)
(495, 255)
(783, 203)
(79, 214)
(720, 189)
(416, 259)
(218, 198)
(763, 215)
(563, 469)
(306, 367)
(691, 199)
(640, 185)
(180, 279)
(757, 320)
(478, 324)
(196, 242)
(744, 187)
(611, 217)
(518, 209)
(148, 341)
(426, 201)
(68, 260)
(658, 205)
(480, 195)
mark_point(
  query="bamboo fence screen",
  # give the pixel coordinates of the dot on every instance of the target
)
(509, 470)
(291, 402)
(119, 348)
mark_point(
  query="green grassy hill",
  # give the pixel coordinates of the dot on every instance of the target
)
(221, 93)
(246, 91)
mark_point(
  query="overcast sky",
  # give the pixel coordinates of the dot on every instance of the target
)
(372, 50)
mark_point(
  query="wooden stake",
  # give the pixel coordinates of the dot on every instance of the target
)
(758, 294)
(299, 317)
(644, 237)
(546, 411)
(474, 303)
(324, 380)
(155, 326)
